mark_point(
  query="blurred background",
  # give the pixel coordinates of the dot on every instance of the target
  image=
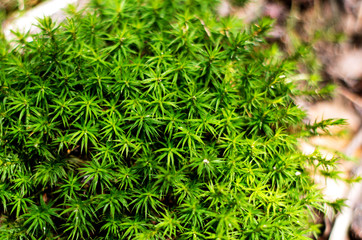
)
(324, 40)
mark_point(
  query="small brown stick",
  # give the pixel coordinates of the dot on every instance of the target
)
(354, 98)
(344, 219)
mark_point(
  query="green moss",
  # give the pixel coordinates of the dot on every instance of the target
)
(152, 120)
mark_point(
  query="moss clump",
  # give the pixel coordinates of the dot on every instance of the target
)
(151, 120)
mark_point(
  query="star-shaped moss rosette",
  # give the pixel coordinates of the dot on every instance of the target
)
(149, 120)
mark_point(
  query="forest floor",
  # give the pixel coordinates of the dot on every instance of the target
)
(329, 35)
